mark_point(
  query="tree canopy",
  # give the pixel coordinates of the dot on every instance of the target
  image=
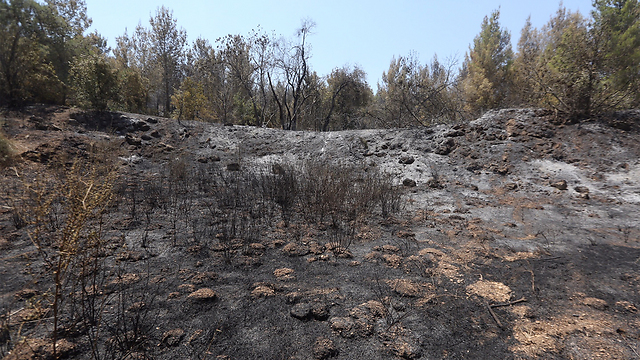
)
(577, 65)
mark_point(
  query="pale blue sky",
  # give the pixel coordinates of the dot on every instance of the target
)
(366, 33)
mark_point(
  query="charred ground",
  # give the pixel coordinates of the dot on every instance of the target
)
(512, 236)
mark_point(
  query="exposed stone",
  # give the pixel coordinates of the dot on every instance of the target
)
(315, 248)
(581, 189)
(392, 260)
(407, 160)
(433, 251)
(627, 306)
(404, 235)
(454, 133)
(560, 185)
(166, 147)
(140, 125)
(409, 183)
(343, 326)
(41, 349)
(301, 311)
(233, 167)
(405, 350)
(445, 147)
(131, 140)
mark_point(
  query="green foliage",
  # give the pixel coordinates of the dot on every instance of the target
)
(346, 95)
(412, 93)
(167, 44)
(568, 75)
(22, 55)
(189, 101)
(132, 93)
(525, 91)
(37, 43)
(487, 68)
(581, 67)
(616, 29)
(94, 81)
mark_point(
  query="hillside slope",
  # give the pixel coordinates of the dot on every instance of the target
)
(516, 238)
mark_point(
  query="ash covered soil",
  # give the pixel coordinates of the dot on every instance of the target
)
(515, 237)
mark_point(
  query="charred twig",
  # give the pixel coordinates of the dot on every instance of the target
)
(533, 277)
(508, 303)
(548, 259)
(493, 314)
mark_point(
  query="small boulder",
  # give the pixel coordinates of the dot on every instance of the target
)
(560, 185)
(409, 182)
(407, 160)
(445, 147)
(581, 189)
(131, 140)
(301, 311)
(233, 167)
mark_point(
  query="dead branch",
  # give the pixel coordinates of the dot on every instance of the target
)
(493, 314)
(508, 303)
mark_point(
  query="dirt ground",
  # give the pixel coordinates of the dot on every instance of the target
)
(517, 237)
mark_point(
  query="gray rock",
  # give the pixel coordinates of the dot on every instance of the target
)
(233, 167)
(581, 189)
(560, 185)
(301, 311)
(131, 140)
(445, 147)
(409, 183)
(407, 160)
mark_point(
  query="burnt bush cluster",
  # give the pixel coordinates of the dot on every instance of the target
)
(210, 207)
(92, 226)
